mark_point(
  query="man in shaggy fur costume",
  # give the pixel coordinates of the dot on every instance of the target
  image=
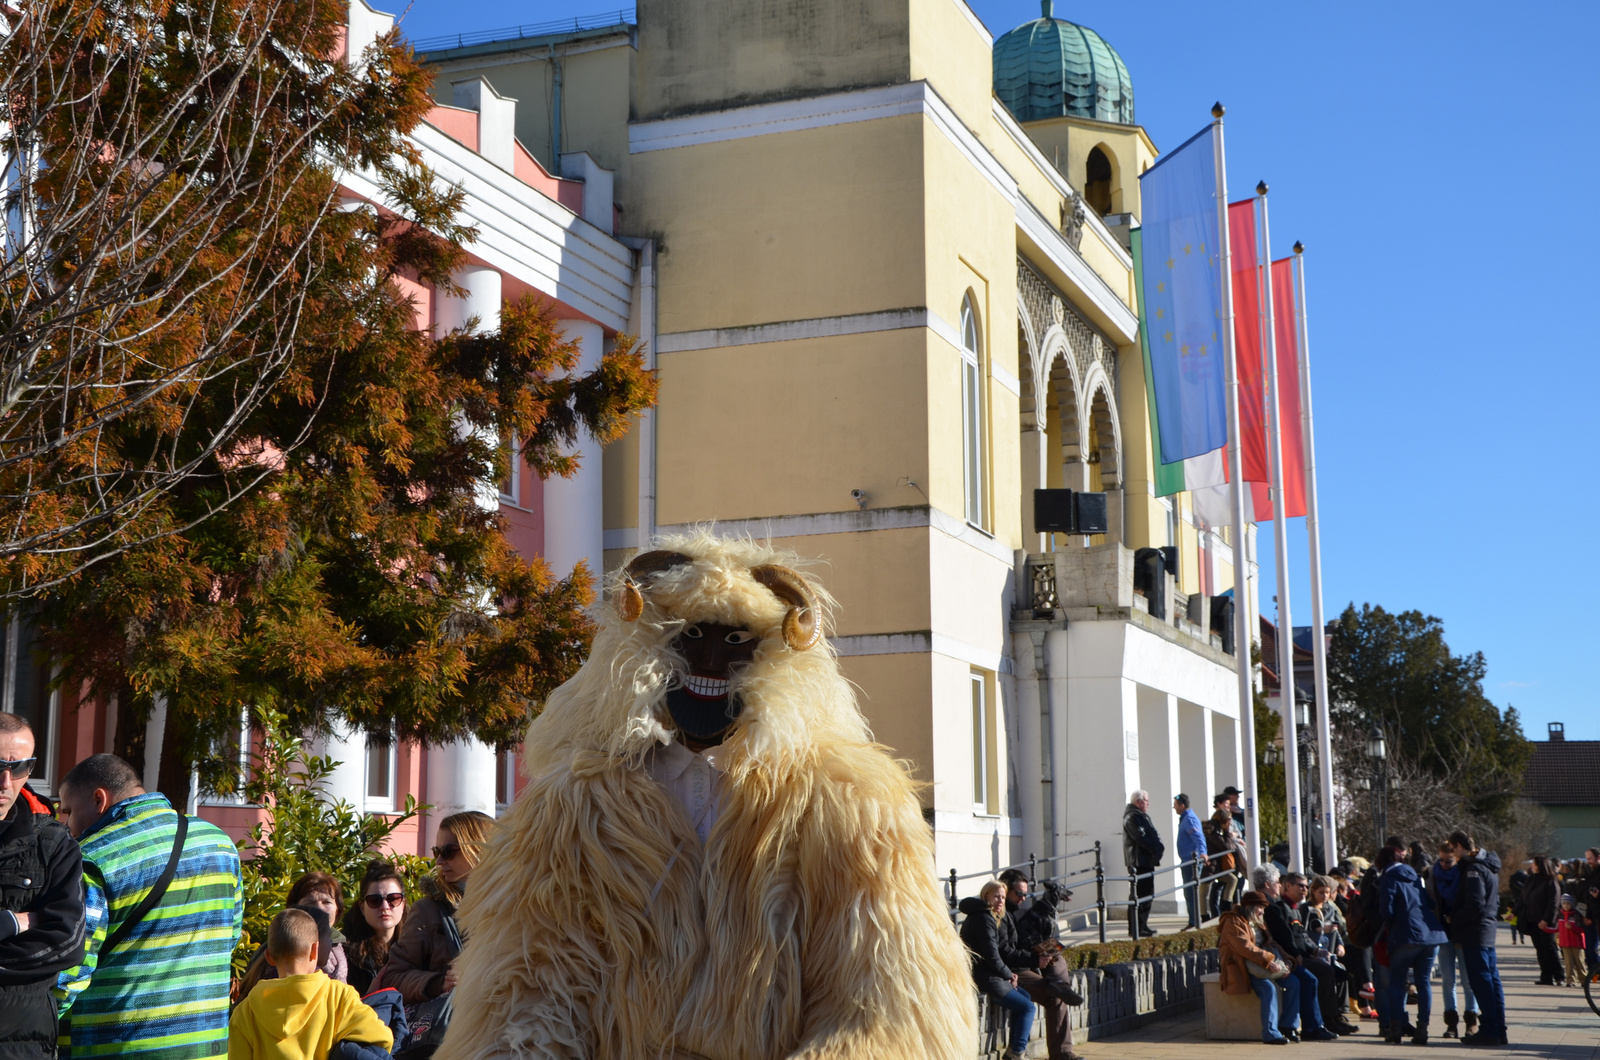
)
(711, 859)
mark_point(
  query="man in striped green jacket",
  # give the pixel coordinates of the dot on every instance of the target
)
(160, 992)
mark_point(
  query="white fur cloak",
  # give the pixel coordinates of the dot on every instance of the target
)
(810, 924)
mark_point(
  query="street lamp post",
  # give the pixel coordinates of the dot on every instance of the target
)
(1307, 764)
(1379, 754)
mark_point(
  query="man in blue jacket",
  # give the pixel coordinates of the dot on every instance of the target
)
(1415, 935)
(1473, 921)
(1191, 843)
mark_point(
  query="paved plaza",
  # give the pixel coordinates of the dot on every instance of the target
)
(1544, 1021)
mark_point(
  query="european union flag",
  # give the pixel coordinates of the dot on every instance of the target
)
(1183, 298)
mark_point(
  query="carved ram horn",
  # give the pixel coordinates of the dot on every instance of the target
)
(630, 601)
(802, 626)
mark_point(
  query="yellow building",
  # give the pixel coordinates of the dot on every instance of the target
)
(884, 312)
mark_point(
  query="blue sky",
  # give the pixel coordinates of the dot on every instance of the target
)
(1439, 161)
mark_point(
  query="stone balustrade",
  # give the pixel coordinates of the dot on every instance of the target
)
(1116, 998)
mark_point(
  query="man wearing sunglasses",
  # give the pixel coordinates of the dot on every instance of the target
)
(41, 901)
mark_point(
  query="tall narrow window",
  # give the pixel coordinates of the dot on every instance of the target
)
(973, 456)
(511, 485)
(505, 778)
(27, 692)
(1097, 182)
(980, 743)
(381, 762)
(234, 746)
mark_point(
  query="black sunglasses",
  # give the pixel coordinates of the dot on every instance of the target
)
(446, 853)
(378, 901)
(17, 767)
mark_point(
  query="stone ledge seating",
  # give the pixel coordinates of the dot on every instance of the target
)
(1117, 997)
(1230, 1017)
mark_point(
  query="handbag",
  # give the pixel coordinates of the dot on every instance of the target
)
(432, 1018)
(1278, 971)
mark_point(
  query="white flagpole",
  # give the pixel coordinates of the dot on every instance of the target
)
(1319, 643)
(1241, 597)
(1280, 537)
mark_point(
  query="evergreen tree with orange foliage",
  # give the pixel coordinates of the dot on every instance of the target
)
(232, 473)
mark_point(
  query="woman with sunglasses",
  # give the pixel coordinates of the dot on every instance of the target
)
(370, 925)
(427, 942)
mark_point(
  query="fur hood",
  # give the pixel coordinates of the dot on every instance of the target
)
(616, 703)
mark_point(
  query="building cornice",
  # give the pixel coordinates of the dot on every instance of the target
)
(823, 523)
(524, 233)
(1072, 272)
(1063, 187)
(824, 328)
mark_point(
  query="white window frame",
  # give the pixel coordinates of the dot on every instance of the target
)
(982, 738)
(235, 798)
(506, 768)
(42, 779)
(380, 803)
(514, 496)
(974, 434)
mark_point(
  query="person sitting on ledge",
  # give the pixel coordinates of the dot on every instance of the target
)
(1247, 961)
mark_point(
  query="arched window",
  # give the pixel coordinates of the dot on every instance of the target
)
(973, 450)
(1097, 182)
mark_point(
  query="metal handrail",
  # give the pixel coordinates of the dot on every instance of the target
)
(952, 881)
(1032, 865)
(1133, 901)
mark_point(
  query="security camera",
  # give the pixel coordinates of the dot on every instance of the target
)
(860, 497)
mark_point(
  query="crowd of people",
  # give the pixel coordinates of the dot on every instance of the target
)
(1320, 952)
(1553, 905)
(119, 916)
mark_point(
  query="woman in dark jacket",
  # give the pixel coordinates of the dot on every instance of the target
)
(371, 924)
(425, 947)
(992, 940)
(1536, 912)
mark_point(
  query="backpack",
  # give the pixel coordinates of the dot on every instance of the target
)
(1362, 917)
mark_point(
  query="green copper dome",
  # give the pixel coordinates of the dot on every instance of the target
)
(1050, 67)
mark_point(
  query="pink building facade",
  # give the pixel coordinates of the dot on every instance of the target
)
(543, 235)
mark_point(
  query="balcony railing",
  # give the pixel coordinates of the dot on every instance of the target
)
(1104, 579)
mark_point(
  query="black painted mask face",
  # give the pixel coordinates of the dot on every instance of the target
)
(700, 705)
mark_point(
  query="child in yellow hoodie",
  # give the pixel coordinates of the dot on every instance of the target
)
(302, 1014)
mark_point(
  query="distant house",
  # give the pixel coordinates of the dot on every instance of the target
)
(1564, 778)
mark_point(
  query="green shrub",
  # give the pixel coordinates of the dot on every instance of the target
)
(1100, 954)
(304, 832)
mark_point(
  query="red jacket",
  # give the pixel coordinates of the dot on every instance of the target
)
(1569, 930)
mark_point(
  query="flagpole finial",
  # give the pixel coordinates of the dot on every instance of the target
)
(1261, 187)
(1299, 247)
(1216, 109)
(1047, 9)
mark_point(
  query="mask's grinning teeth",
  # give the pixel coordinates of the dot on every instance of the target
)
(706, 687)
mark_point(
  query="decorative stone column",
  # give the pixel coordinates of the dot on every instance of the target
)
(461, 776)
(481, 300)
(574, 507)
(348, 781)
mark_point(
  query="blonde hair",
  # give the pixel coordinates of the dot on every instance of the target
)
(471, 829)
(986, 890)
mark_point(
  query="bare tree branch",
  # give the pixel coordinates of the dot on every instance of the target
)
(167, 170)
